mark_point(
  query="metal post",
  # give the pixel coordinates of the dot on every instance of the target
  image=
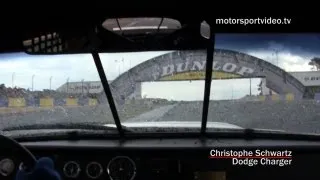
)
(232, 92)
(50, 82)
(122, 64)
(82, 85)
(32, 82)
(250, 87)
(118, 63)
(13, 74)
(276, 52)
(67, 85)
(277, 60)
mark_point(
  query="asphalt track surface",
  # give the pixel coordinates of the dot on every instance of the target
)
(296, 116)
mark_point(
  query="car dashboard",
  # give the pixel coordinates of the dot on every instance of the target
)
(187, 159)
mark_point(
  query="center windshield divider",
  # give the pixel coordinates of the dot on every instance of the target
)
(208, 79)
(107, 90)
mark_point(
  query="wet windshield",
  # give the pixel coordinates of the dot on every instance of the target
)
(264, 81)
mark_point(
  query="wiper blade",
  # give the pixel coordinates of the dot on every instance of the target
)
(83, 126)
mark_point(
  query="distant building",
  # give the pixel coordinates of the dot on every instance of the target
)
(93, 87)
(310, 79)
(85, 87)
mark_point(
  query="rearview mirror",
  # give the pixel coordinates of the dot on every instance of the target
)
(119, 36)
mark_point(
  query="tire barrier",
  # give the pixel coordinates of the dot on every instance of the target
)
(276, 97)
(45, 102)
(72, 102)
(290, 97)
(17, 102)
(93, 102)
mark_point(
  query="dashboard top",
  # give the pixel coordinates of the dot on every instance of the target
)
(174, 158)
(171, 143)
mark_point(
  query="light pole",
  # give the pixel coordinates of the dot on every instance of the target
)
(232, 92)
(67, 85)
(32, 82)
(50, 82)
(82, 85)
(276, 52)
(250, 87)
(122, 65)
(13, 74)
(118, 62)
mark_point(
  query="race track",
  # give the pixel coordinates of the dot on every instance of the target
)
(290, 116)
(294, 116)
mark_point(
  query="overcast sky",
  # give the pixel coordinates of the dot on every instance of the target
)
(295, 51)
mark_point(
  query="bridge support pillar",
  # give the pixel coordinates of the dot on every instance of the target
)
(138, 92)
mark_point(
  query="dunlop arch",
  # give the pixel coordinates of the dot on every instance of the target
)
(239, 64)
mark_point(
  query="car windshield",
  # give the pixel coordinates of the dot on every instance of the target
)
(263, 81)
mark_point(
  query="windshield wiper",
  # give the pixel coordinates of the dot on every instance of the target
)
(82, 126)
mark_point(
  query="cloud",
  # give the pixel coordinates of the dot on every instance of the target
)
(286, 60)
(19, 70)
(301, 44)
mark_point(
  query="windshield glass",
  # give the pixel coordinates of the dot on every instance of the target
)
(56, 89)
(66, 89)
(278, 86)
(265, 81)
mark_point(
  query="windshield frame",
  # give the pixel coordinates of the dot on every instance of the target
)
(207, 87)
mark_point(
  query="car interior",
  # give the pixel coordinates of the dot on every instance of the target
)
(152, 155)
